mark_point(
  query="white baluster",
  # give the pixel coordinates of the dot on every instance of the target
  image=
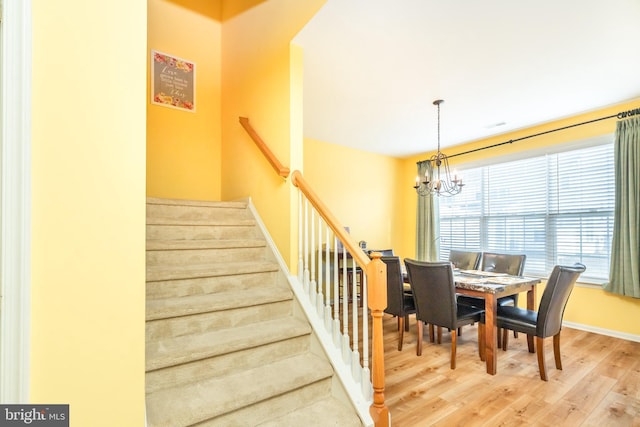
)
(346, 349)
(336, 294)
(319, 297)
(300, 260)
(355, 357)
(327, 293)
(365, 321)
(306, 246)
(312, 284)
(366, 384)
(367, 387)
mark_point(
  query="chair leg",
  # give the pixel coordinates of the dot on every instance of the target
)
(431, 333)
(541, 363)
(460, 331)
(419, 347)
(556, 350)
(481, 341)
(530, 343)
(505, 339)
(454, 339)
(400, 332)
(406, 323)
(499, 335)
(439, 334)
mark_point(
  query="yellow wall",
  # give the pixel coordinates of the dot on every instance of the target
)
(360, 189)
(183, 147)
(259, 65)
(588, 306)
(88, 209)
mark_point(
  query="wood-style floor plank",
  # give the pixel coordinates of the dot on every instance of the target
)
(615, 410)
(599, 384)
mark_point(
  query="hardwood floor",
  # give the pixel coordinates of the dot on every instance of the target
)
(598, 386)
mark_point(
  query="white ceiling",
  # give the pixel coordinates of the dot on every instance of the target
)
(372, 68)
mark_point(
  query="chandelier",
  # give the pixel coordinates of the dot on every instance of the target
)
(441, 184)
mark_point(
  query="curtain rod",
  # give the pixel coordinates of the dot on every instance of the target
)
(620, 115)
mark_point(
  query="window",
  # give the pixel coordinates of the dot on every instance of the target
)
(556, 209)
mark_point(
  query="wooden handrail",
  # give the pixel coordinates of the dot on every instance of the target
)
(376, 272)
(352, 247)
(281, 170)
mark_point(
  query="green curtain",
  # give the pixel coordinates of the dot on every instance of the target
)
(427, 230)
(624, 276)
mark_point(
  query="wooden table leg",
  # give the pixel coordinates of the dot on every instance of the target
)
(531, 305)
(531, 298)
(491, 339)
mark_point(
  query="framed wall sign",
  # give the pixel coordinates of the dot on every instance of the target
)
(173, 81)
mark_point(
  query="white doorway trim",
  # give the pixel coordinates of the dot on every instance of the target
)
(15, 201)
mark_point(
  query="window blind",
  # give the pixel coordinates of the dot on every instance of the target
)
(556, 209)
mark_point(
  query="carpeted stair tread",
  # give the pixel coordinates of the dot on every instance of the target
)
(201, 221)
(163, 308)
(323, 413)
(159, 245)
(196, 402)
(173, 272)
(198, 203)
(178, 350)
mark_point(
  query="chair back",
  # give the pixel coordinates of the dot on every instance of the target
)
(512, 265)
(554, 298)
(434, 292)
(395, 288)
(465, 260)
(383, 252)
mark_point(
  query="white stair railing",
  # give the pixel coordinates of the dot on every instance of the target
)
(317, 293)
(341, 315)
(335, 318)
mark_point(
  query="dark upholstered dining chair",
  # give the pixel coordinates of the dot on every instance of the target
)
(399, 303)
(434, 295)
(512, 265)
(383, 252)
(465, 260)
(547, 321)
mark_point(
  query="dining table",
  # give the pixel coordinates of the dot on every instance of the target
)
(490, 286)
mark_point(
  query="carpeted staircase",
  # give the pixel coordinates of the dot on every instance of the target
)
(226, 343)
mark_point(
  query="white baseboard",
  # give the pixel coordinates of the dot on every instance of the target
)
(602, 331)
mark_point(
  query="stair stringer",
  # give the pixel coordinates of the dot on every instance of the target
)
(343, 384)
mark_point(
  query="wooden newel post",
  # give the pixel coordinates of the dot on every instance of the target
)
(377, 279)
